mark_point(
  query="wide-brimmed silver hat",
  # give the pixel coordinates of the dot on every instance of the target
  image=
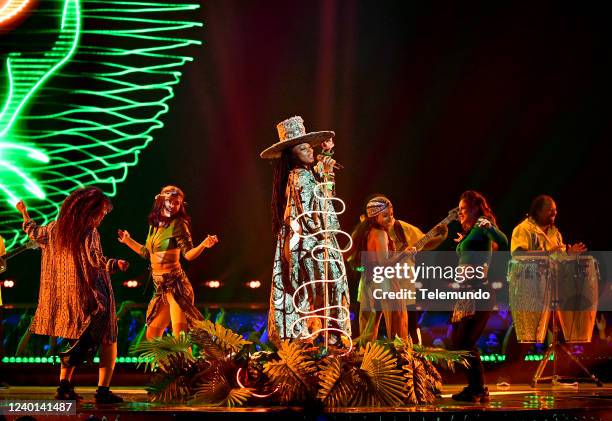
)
(292, 132)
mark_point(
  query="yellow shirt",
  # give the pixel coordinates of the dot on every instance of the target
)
(529, 236)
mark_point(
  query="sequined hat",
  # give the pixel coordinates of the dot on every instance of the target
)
(292, 132)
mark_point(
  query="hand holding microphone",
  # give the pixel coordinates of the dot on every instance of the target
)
(328, 161)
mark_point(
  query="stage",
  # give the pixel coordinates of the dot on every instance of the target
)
(221, 168)
(519, 402)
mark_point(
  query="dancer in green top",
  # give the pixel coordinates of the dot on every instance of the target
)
(169, 237)
(479, 238)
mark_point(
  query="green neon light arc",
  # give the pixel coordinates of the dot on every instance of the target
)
(9, 97)
(71, 14)
(81, 112)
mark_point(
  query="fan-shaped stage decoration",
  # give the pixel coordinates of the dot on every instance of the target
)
(77, 107)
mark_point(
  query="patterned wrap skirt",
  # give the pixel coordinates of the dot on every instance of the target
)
(177, 284)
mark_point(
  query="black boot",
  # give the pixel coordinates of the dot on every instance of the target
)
(65, 391)
(104, 395)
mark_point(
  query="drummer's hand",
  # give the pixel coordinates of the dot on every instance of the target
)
(576, 248)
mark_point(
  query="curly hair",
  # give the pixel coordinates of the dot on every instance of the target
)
(79, 214)
(475, 199)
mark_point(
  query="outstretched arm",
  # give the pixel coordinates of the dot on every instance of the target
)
(31, 228)
(97, 259)
(125, 238)
(194, 252)
(21, 207)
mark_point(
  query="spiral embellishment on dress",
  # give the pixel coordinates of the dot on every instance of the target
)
(328, 247)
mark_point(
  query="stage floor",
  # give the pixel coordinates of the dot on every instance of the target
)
(519, 402)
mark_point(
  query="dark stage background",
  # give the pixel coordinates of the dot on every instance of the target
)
(427, 100)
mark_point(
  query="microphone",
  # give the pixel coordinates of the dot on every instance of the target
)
(337, 166)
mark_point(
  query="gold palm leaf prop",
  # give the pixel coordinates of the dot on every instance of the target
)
(383, 380)
(216, 341)
(420, 383)
(215, 389)
(337, 382)
(166, 352)
(169, 387)
(440, 356)
(236, 397)
(293, 374)
(422, 377)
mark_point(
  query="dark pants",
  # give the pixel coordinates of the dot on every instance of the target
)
(464, 337)
(80, 351)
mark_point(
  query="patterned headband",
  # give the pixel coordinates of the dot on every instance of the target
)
(170, 191)
(376, 205)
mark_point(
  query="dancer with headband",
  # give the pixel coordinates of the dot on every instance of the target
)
(379, 233)
(169, 237)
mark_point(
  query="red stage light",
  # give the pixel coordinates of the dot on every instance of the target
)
(8, 283)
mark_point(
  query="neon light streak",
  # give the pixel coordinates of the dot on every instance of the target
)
(81, 113)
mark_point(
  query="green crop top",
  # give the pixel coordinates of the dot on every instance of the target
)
(174, 236)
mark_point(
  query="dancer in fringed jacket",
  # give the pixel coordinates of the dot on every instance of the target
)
(76, 299)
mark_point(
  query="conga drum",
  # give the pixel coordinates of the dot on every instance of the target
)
(577, 283)
(530, 292)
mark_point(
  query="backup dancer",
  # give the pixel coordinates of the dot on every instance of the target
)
(169, 237)
(475, 245)
(380, 233)
(76, 299)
